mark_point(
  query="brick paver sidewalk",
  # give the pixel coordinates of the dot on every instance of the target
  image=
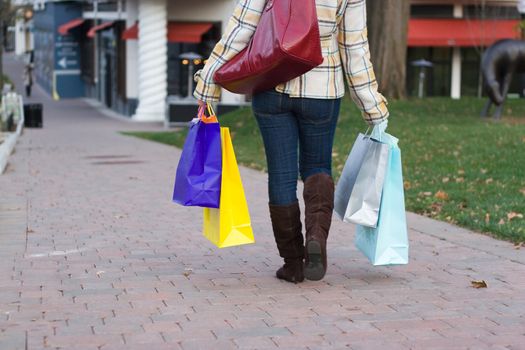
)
(95, 256)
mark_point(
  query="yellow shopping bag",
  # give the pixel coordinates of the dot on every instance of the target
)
(229, 225)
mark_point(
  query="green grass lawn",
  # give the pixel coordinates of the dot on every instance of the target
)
(458, 167)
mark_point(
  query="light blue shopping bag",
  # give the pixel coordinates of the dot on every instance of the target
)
(387, 244)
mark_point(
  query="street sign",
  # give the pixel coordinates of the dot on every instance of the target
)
(67, 53)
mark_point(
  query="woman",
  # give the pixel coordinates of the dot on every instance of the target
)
(298, 121)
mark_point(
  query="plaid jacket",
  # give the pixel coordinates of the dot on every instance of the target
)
(343, 30)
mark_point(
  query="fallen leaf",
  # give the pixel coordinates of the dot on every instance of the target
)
(514, 215)
(479, 284)
(460, 179)
(461, 172)
(407, 185)
(487, 218)
(522, 191)
(484, 171)
(489, 180)
(445, 180)
(519, 245)
(426, 194)
(436, 208)
(501, 222)
(442, 195)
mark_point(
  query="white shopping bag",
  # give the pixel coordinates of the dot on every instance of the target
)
(365, 199)
(348, 177)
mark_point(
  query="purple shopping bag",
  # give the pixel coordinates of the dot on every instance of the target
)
(198, 179)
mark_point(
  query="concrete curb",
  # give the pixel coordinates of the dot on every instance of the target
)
(7, 147)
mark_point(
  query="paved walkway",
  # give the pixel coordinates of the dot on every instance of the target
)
(95, 256)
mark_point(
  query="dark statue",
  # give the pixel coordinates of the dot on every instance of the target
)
(499, 64)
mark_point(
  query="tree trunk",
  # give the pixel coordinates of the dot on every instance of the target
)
(388, 34)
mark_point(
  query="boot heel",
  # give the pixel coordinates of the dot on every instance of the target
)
(314, 269)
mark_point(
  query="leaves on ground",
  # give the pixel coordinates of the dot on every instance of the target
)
(441, 195)
(479, 284)
(513, 215)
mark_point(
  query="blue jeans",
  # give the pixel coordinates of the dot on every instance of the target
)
(298, 135)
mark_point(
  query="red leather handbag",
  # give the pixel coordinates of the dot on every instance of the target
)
(285, 45)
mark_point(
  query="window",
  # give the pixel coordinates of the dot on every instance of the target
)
(178, 79)
(470, 71)
(437, 80)
(103, 6)
(87, 54)
(491, 12)
(432, 11)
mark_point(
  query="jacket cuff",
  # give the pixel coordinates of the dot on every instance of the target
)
(374, 119)
(207, 92)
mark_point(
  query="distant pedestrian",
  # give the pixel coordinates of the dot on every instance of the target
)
(28, 79)
(298, 119)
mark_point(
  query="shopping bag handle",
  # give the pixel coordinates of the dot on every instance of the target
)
(211, 118)
(378, 131)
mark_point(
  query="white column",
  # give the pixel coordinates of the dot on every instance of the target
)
(455, 90)
(132, 50)
(153, 60)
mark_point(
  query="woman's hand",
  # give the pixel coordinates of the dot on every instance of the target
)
(201, 103)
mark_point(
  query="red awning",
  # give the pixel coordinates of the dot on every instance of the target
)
(132, 33)
(66, 27)
(459, 32)
(95, 29)
(187, 32)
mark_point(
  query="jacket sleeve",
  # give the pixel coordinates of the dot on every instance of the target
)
(355, 57)
(239, 31)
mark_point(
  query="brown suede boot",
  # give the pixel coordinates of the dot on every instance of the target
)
(319, 203)
(286, 223)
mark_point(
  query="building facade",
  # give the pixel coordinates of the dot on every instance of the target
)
(450, 36)
(138, 57)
